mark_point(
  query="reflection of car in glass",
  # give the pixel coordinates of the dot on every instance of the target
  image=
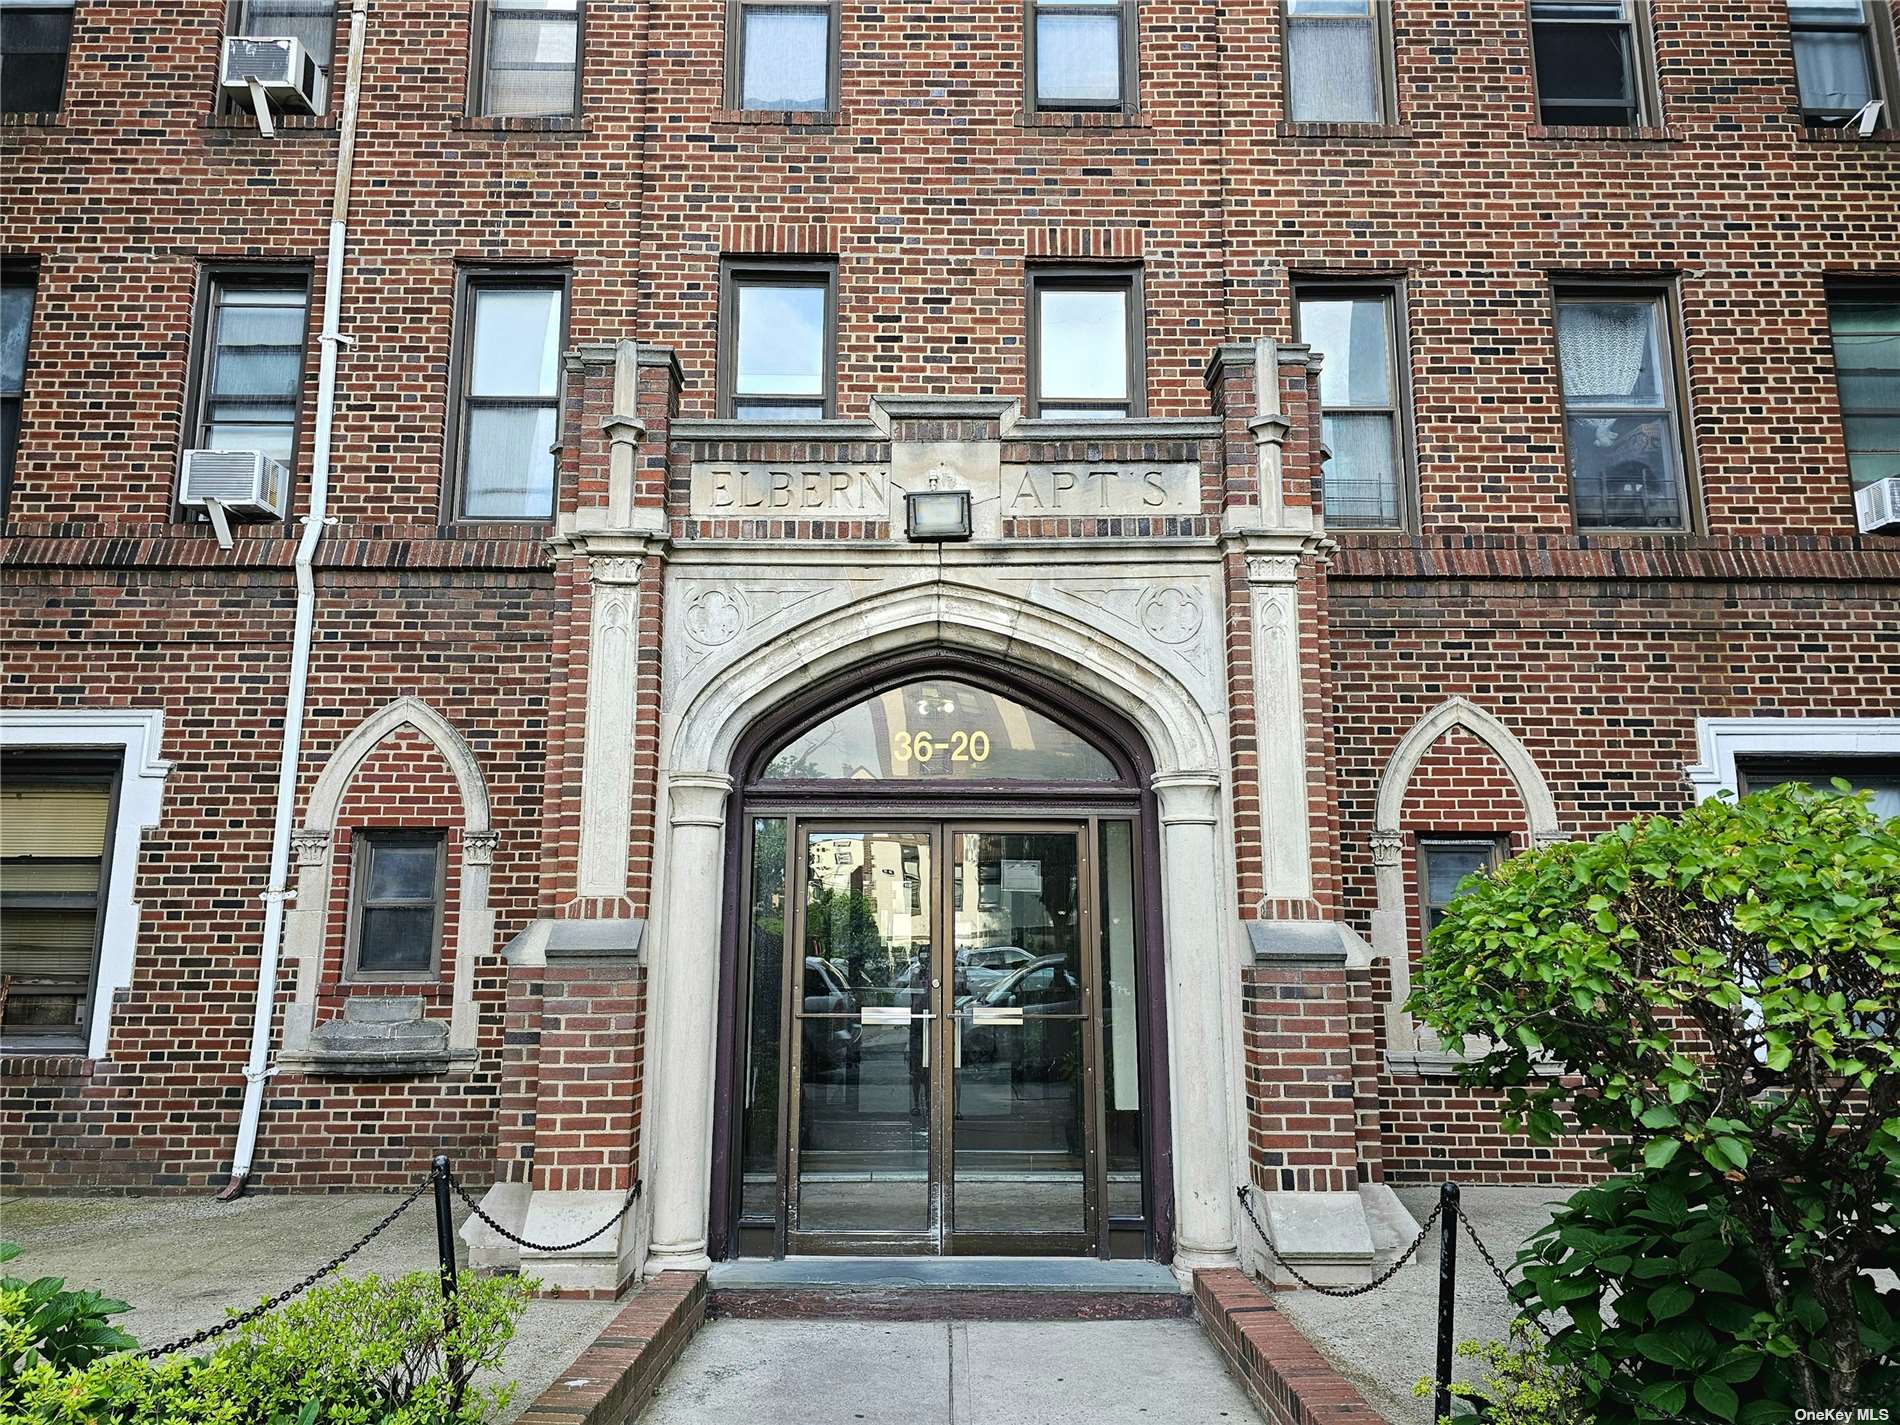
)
(829, 1042)
(1036, 1048)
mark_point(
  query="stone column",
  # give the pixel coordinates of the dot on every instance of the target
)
(682, 1023)
(1201, 976)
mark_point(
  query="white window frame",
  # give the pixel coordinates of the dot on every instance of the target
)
(135, 735)
(1720, 741)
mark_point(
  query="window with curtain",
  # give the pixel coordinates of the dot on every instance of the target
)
(786, 57)
(1334, 68)
(1626, 459)
(250, 383)
(510, 416)
(778, 343)
(1837, 58)
(1445, 865)
(528, 58)
(55, 825)
(1086, 358)
(311, 22)
(35, 37)
(1866, 331)
(397, 882)
(1081, 54)
(16, 325)
(1587, 54)
(1359, 391)
(1878, 777)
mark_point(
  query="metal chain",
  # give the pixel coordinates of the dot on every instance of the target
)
(1532, 1314)
(1424, 1231)
(476, 1208)
(198, 1338)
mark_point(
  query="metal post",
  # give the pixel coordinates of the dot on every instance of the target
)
(1447, 1294)
(445, 1255)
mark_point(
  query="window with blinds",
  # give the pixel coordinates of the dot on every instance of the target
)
(55, 823)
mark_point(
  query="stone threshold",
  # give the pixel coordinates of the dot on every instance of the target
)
(1288, 1379)
(946, 1289)
(611, 1381)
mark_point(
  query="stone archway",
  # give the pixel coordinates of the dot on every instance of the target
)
(1388, 840)
(699, 736)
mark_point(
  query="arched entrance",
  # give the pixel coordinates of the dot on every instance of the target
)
(941, 1008)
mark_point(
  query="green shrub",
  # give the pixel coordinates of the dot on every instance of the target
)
(368, 1352)
(40, 1321)
(1721, 990)
(1521, 1385)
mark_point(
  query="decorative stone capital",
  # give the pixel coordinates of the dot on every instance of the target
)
(1273, 568)
(698, 798)
(1386, 847)
(624, 429)
(1188, 798)
(1555, 836)
(478, 847)
(614, 569)
(1270, 430)
(311, 847)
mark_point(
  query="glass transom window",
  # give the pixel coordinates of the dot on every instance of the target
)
(941, 729)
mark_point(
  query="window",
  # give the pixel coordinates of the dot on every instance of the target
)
(396, 925)
(311, 22)
(527, 58)
(1085, 349)
(1840, 50)
(1336, 61)
(783, 55)
(1619, 384)
(250, 382)
(1360, 392)
(1081, 55)
(16, 324)
(1866, 328)
(1879, 776)
(777, 342)
(55, 824)
(509, 417)
(1443, 867)
(1589, 62)
(35, 36)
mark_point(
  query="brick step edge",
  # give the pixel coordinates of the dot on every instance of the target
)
(612, 1379)
(1290, 1382)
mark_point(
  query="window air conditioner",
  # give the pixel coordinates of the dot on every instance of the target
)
(275, 71)
(240, 484)
(1878, 505)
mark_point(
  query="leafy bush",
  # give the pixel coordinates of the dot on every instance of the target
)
(1721, 990)
(40, 1321)
(1520, 1385)
(368, 1352)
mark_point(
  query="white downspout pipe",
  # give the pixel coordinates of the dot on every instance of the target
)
(256, 1068)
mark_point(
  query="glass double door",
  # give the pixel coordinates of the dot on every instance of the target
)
(943, 1035)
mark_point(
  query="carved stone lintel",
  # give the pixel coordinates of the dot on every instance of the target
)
(1386, 847)
(478, 847)
(311, 847)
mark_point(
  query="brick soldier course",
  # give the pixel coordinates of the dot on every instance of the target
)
(567, 701)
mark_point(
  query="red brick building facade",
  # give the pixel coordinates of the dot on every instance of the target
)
(1591, 551)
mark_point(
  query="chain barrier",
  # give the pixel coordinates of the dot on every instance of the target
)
(476, 1208)
(1424, 1231)
(198, 1338)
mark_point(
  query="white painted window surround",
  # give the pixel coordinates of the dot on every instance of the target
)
(136, 735)
(1722, 741)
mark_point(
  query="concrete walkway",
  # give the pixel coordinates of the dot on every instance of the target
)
(956, 1373)
(180, 1261)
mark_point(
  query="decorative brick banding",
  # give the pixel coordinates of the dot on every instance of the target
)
(612, 1379)
(1288, 1379)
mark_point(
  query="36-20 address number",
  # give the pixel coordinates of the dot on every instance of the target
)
(959, 746)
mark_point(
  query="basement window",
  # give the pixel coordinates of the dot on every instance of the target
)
(396, 924)
(1589, 62)
(35, 37)
(783, 56)
(1444, 864)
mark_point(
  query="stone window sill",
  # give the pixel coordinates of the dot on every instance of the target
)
(1290, 129)
(1085, 119)
(779, 118)
(31, 121)
(518, 124)
(1599, 133)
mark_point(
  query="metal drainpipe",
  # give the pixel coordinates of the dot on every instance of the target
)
(256, 1068)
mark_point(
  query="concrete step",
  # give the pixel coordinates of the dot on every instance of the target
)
(946, 1289)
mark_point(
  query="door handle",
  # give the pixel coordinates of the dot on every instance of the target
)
(889, 1014)
(995, 1014)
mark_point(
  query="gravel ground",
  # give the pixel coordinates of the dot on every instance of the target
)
(180, 1261)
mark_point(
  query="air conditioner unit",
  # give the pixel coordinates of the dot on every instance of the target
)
(1877, 506)
(278, 68)
(245, 484)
